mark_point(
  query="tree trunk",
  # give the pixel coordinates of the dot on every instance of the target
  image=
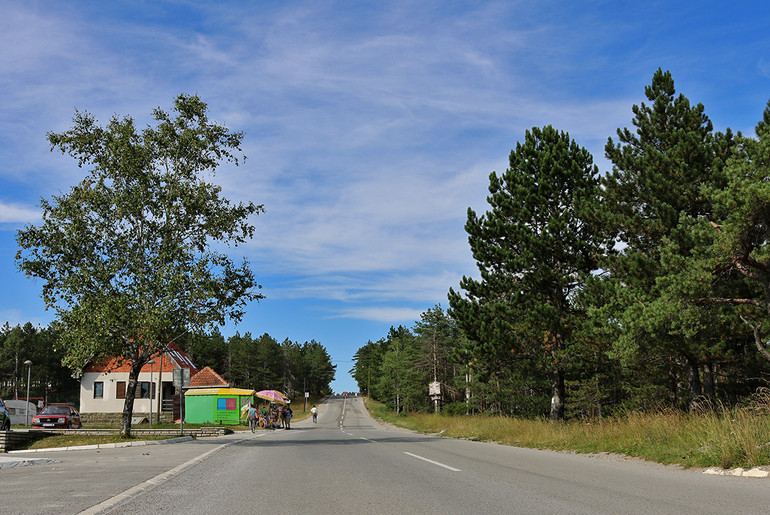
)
(128, 405)
(693, 380)
(673, 383)
(557, 401)
(758, 342)
(708, 380)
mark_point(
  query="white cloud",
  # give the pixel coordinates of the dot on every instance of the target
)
(382, 314)
(369, 130)
(16, 213)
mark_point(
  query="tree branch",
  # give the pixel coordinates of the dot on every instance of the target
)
(757, 338)
(727, 300)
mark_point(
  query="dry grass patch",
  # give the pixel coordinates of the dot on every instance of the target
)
(715, 436)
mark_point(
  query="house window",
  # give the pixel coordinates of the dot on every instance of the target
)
(98, 390)
(120, 391)
(143, 392)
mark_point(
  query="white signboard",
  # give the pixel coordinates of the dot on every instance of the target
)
(434, 388)
(181, 377)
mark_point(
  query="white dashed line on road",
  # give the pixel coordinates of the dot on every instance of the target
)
(433, 462)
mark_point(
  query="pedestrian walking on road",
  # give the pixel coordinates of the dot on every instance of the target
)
(314, 411)
(252, 418)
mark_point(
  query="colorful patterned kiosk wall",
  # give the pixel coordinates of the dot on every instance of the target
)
(216, 405)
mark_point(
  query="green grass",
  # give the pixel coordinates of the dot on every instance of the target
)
(717, 436)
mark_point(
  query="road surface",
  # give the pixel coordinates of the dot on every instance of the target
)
(347, 463)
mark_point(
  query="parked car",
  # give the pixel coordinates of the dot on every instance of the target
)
(21, 411)
(62, 416)
(5, 417)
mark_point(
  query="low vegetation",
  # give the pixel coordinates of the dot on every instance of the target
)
(720, 436)
(75, 440)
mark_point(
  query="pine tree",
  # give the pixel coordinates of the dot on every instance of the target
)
(738, 260)
(659, 174)
(534, 248)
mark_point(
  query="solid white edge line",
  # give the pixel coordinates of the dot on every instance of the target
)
(116, 500)
(433, 462)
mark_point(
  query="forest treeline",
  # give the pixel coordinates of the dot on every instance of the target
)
(644, 287)
(242, 360)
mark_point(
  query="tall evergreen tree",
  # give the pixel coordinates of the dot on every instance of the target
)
(207, 350)
(49, 378)
(438, 336)
(401, 386)
(366, 368)
(319, 369)
(659, 173)
(534, 249)
(738, 259)
(268, 374)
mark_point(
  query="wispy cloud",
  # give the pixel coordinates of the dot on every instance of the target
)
(15, 214)
(369, 130)
(387, 315)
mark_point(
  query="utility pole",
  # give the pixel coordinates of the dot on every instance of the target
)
(26, 406)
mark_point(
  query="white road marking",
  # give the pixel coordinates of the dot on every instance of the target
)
(433, 462)
(151, 483)
(342, 416)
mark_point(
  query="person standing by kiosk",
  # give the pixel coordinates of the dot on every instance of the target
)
(252, 417)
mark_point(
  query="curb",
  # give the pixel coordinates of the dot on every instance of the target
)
(107, 445)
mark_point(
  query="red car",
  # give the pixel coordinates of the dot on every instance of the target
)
(61, 416)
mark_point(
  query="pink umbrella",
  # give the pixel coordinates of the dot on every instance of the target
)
(272, 396)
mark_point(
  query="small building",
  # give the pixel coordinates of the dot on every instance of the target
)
(103, 388)
(216, 405)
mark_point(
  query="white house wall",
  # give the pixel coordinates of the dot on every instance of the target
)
(109, 403)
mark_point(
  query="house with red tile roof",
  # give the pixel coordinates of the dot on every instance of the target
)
(207, 378)
(103, 387)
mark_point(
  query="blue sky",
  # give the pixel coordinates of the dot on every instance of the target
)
(370, 127)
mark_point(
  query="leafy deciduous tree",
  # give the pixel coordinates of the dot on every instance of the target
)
(125, 255)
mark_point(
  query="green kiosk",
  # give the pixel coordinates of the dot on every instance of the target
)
(216, 405)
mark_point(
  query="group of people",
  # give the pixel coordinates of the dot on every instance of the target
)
(270, 417)
(273, 417)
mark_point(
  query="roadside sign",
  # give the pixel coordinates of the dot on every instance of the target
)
(434, 388)
(181, 377)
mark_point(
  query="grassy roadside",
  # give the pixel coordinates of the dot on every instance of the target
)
(721, 437)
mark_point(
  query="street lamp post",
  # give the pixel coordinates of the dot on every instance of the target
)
(26, 406)
(151, 362)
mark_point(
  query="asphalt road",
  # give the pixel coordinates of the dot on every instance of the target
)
(346, 463)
